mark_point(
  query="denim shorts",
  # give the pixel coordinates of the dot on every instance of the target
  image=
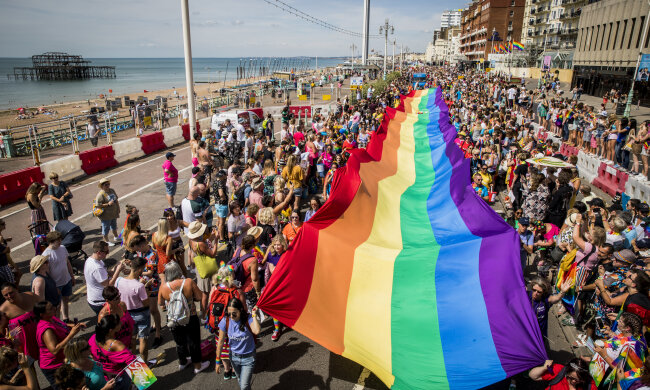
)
(107, 225)
(66, 289)
(222, 210)
(170, 188)
(142, 319)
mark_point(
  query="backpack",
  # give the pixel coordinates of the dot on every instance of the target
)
(238, 196)
(237, 263)
(178, 311)
(97, 211)
(217, 306)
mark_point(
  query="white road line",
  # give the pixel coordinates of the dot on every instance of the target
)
(361, 382)
(24, 244)
(72, 188)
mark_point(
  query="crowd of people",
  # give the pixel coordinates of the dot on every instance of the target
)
(248, 197)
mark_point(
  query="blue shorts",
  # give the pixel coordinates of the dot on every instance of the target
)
(66, 289)
(222, 210)
(170, 188)
(107, 225)
(142, 319)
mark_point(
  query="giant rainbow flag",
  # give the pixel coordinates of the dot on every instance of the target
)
(405, 270)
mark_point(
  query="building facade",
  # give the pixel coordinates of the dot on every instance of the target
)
(488, 22)
(451, 18)
(610, 37)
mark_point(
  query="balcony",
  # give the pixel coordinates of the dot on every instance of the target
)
(572, 15)
(532, 11)
(569, 31)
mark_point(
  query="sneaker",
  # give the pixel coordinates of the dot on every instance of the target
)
(157, 342)
(181, 367)
(228, 375)
(276, 335)
(110, 243)
(152, 362)
(204, 365)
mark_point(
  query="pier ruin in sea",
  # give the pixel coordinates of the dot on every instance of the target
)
(61, 66)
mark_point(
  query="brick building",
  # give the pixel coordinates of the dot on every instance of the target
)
(487, 21)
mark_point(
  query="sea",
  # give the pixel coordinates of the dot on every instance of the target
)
(134, 76)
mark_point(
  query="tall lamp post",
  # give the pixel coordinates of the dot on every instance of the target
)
(189, 74)
(352, 47)
(385, 29)
(630, 96)
(394, 42)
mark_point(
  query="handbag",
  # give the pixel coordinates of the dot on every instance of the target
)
(637, 147)
(205, 266)
(97, 211)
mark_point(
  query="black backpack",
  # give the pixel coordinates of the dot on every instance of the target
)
(238, 196)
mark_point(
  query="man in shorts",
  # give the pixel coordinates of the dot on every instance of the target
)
(170, 174)
(60, 270)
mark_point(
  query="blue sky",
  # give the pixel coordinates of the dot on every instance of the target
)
(220, 28)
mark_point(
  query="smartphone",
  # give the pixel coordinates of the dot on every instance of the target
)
(600, 324)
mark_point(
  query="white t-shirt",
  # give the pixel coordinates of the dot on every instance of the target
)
(132, 292)
(95, 274)
(241, 132)
(58, 265)
(185, 113)
(188, 214)
(512, 93)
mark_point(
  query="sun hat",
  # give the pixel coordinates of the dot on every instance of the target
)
(570, 221)
(255, 231)
(37, 262)
(196, 229)
(104, 180)
(257, 182)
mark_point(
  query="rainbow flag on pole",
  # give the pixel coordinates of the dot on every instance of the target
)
(518, 45)
(405, 270)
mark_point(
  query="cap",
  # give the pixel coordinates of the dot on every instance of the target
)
(222, 172)
(596, 202)
(643, 208)
(615, 207)
(643, 243)
(169, 155)
(240, 120)
(524, 221)
(626, 256)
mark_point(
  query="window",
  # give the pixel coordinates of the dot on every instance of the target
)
(510, 23)
(596, 40)
(618, 25)
(623, 35)
(602, 39)
(512, 13)
(581, 38)
(629, 43)
(609, 36)
(638, 40)
(591, 38)
(512, 3)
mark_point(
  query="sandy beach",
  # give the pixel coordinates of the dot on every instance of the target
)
(9, 118)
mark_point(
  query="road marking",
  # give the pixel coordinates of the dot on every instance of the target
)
(92, 182)
(361, 382)
(24, 244)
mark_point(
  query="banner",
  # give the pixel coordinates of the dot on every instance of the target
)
(356, 82)
(547, 63)
(643, 74)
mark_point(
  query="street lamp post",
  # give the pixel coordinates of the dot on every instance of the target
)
(352, 47)
(394, 42)
(630, 96)
(385, 29)
(189, 74)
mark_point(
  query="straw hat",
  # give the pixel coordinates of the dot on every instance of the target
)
(104, 180)
(257, 182)
(571, 220)
(37, 262)
(196, 229)
(255, 231)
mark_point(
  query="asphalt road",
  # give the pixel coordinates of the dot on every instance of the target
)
(294, 362)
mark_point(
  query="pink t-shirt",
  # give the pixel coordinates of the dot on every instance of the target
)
(132, 292)
(255, 197)
(297, 137)
(167, 165)
(590, 262)
(46, 359)
(28, 322)
(112, 362)
(126, 331)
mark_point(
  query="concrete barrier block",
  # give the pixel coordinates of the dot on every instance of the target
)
(637, 188)
(68, 168)
(128, 149)
(173, 135)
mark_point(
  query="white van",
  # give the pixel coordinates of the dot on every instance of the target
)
(251, 119)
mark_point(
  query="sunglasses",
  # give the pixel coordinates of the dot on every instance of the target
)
(233, 314)
(295, 217)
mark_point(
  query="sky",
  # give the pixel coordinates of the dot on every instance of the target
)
(219, 28)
